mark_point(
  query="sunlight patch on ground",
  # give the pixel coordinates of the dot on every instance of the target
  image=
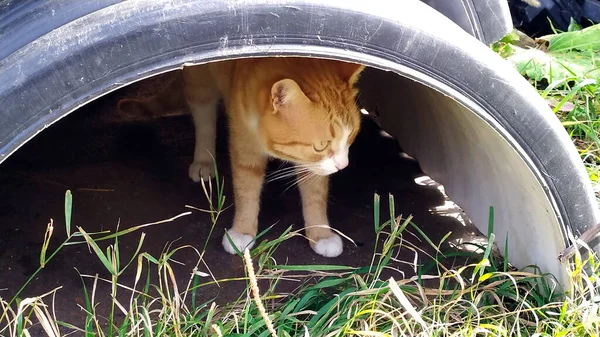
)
(448, 208)
(470, 242)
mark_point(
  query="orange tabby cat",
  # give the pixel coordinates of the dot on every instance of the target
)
(299, 110)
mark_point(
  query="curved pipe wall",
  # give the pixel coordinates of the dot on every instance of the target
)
(474, 123)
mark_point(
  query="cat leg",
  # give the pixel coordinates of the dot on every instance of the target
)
(323, 240)
(248, 169)
(205, 124)
(202, 98)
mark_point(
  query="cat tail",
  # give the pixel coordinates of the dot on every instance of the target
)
(157, 105)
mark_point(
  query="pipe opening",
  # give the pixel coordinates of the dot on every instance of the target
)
(442, 163)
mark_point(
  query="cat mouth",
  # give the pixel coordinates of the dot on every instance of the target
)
(324, 170)
(321, 172)
(331, 165)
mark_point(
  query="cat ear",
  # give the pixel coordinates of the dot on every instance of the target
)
(286, 92)
(350, 71)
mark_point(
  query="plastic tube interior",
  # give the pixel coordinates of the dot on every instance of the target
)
(474, 162)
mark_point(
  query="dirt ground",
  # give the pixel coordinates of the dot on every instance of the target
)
(133, 171)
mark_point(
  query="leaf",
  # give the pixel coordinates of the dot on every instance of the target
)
(329, 283)
(406, 303)
(573, 91)
(573, 26)
(583, 40)
(485, 276)
(47, 236)
(511, 37)
(567, 107)
(491, 221)
(105, 259)
(68, 210)
(376, 202)
(315, 267)
(554, 66)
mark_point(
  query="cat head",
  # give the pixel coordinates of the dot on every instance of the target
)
(314, 118)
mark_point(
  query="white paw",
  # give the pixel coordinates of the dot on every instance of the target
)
(241, 241)
(201, 170)
(330, 247)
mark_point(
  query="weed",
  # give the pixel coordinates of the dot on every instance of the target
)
(483, 298)
(564, 68)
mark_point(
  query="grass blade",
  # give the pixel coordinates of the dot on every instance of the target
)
(103, 258)
(68, 211)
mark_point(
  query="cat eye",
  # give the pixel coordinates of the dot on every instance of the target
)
(320, 146)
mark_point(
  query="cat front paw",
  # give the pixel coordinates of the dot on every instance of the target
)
(329, 247)
(201, 170)
(241, 241)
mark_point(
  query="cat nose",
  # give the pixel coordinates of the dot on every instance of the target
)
(340, 162)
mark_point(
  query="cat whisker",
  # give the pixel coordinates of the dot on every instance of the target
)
(289, 175)
(288, 186)
(306, 177)
(292, 167)
(285, 169)
(287, 172)
(283, 172)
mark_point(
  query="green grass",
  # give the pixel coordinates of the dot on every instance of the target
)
(565, 68)
(484, 298)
